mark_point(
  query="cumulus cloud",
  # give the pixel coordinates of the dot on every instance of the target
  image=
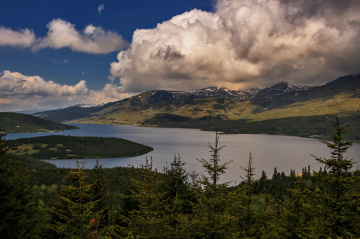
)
(100, 8)
(14, 84)
(92, 40)
(21, 38)
(62, 34)
(20, 92)
(243, 44)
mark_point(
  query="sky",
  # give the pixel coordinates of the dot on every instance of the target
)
(59, 53)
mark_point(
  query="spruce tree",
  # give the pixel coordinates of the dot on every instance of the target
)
(210, 218)
(214, 168)
(75, 215)
(149, 219)
(18, 208)
(339, 200)
(98, 192)
(178, 192)
(297, 212)
(176, 178)
(248, 220)
(249, 216)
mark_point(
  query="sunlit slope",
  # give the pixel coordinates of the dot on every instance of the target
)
(287, 113)
(308, 118)
(341, 105)
(344, 104)
(191, 109)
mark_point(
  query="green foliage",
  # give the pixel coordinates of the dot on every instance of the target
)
(19, 123)
(339, 197)
(143, 203)
(337, 163)
(214, 169)
(177, 187)
(296, 113)
(80, 210)
(75, 209)
(297, 212)
(58, 146)
(149, 219)
(18, 208)
(248, 219)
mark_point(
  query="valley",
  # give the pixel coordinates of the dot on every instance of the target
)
(280, 109)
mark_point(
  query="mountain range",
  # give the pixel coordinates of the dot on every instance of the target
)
(280, 109)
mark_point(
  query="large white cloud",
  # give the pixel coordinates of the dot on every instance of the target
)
(245, 43)
(20, 92)
(92, 40)
(21, 38)
(14, 84)
(62, 34)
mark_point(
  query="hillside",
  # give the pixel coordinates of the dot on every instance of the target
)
(67, 114)
(23, 123)
(280, 109)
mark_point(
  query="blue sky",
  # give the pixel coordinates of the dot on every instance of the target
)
(66, 66)
(59, 53)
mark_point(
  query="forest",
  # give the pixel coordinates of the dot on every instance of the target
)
(71, 147)
(39, 200)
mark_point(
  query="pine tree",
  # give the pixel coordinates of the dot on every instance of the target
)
(18, 208)
(297, 212)
(214, 169)
(98, 192)
(337, 164)
(210, 218)
(176, 178)
(103, 224)
(339, 200)
(178, 192)
(75, 216)
(249, 216)
(149, 220)
(248, 220)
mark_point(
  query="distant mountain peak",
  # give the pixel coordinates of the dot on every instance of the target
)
(281, 84)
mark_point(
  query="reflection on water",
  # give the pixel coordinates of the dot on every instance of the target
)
(268, 151)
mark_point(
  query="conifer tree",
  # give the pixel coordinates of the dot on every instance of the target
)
(18, 209)
(297, 213)
(249, 215)
(214, 168)
(75, 216)
(103, 224)
(98, 190)
(248, 221)
(178, 194)
(149, 220)
(339, 200)
(176, 178)
(210, 218)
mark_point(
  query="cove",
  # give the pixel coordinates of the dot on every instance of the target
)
(268, 151)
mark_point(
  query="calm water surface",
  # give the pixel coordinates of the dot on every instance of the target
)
(268, 151)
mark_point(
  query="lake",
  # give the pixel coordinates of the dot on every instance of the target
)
(268, 151)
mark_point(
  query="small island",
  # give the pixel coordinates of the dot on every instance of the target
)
(71, 147)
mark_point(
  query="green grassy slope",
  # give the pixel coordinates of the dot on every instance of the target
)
(241, 117)
(19, 123)
(296, 113)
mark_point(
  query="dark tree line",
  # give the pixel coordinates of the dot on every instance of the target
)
(144, 203)
(60, 146)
